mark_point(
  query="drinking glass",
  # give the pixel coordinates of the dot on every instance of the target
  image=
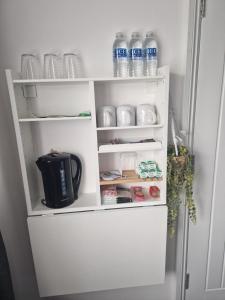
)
(30, 66)
(71, 65)
(52, 65)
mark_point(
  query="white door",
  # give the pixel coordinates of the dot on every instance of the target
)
(99, 250)
(206, 254)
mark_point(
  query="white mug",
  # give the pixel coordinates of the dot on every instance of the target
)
(106, 116)
(146, 114)
(125, 115)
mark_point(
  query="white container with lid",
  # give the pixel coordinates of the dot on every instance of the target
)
(106, 116)
(146, 114)
(125, 115)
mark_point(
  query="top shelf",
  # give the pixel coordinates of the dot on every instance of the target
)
(85, 80)
(49, 81)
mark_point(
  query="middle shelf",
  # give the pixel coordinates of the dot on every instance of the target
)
(129, 127)
(111, 148)
(129, 180)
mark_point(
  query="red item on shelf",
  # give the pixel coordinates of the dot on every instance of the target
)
(137, 188)
(138, 194)
(154, 192)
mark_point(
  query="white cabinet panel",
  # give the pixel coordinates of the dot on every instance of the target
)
(99, 250)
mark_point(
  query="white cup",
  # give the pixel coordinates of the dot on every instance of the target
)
(146, 114)
(106, 116)
(125, 116)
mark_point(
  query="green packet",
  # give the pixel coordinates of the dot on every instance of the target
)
(85, 114)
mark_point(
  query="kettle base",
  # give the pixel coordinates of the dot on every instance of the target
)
(58, 204)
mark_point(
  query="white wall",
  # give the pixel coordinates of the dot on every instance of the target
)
(89, 26)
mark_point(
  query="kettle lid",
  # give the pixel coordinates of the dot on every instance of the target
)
(50, 158)
(54, 156)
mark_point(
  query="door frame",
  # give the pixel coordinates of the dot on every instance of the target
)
(197, 11)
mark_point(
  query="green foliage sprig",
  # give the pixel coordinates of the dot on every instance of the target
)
(180, 172)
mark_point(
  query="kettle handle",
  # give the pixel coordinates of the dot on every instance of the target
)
(76, 179)
(39, 163)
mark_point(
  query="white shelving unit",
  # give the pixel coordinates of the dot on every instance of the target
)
(65, 99)
(75, 238)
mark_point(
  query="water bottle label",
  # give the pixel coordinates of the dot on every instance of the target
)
(150, 53)
(136, 53)
(120, 53)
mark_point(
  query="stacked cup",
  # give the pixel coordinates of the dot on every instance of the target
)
(55, 65)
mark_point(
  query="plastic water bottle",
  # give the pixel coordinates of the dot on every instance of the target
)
(120, 56)
(150, 55)
(136, 55)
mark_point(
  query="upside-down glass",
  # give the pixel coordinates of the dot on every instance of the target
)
(52, 66)
(30, 66)
(71, 65)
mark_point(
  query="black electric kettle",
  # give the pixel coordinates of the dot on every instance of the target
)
(60, 183)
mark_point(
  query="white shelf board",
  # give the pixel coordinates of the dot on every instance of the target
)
(49, 81)
(88, 202)
(130, 147)
(84, 202)
(53, 119)
(129, 127)
(134, 204)
(142, 78)
(87, 79)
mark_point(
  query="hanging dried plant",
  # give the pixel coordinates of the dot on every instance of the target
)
(180, 171)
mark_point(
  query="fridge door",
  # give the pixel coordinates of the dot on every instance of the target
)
(99, 250)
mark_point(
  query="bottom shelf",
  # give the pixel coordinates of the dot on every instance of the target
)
(157, 201)
(88, 202)
(85, 202)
